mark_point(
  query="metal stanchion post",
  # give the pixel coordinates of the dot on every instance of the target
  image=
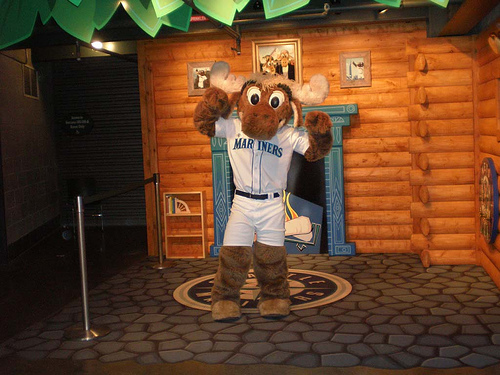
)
(161, 264)
(85, 333)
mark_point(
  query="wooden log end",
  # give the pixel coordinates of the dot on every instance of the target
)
(425, 226)
(425, 258)
(423, 162)
(422, 129)
(420, 63)
(421, 97)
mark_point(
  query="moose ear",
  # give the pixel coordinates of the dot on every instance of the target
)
(297, 113)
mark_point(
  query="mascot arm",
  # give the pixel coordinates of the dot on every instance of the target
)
(214, 105)
(318, 124)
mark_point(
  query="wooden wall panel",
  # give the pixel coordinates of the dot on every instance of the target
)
(487, 117)
(442, 148)
(382, 145)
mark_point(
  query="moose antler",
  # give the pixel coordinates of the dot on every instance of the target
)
(220, 77)
(314, 92)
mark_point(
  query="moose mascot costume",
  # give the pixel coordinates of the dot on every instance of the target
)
(260, 146)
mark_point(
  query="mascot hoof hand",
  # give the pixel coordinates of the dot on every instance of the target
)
(274, 308)
(217, 102)
(225, 311)
(318, 122)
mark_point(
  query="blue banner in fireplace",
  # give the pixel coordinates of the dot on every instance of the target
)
(302, 225)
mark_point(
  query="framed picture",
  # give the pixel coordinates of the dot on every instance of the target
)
(281, 56)
(355, 69)
(198, 77)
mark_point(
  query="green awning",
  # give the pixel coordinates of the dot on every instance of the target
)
(80, 18)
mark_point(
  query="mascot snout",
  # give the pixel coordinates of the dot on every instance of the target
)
(260, 122)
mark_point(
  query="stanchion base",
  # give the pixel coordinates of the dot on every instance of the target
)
(81, 334)
(164, 265)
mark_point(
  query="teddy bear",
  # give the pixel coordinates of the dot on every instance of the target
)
(260, 146)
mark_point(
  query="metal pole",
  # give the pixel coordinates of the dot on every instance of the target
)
(161, 264)
(87, 333)
(158, 218)
(82, 252)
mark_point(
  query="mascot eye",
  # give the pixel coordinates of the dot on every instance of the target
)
(276, 99)
(253, 95)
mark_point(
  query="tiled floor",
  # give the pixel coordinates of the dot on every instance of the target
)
(398, 316)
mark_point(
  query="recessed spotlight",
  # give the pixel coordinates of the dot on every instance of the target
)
(97, 44)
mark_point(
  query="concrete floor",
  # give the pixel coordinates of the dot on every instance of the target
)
(399, 319)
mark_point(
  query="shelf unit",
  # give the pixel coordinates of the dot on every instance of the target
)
(185, 233)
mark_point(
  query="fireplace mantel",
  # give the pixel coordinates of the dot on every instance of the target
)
(334, 183)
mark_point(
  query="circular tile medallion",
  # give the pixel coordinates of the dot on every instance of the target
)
(307, 289)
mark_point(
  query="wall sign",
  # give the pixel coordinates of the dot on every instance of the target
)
(488, 200)
(78, 124)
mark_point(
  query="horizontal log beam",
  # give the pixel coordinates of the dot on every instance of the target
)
(377, 189)
(438, 78)
(441, 144)
(378, 218)
(462, 176)
(442, 209)
(378, 232)
(438, 111)
(448, 257)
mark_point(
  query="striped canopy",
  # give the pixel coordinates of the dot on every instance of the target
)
(80, 18)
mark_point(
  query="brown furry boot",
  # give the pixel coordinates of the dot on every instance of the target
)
(234, 263)
(271, 270)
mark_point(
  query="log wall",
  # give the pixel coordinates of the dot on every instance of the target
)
(441, 146)
(408, 154)
(487, 133)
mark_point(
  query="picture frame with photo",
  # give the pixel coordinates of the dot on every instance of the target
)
(278, 56)
(198, 77)
(355, 69)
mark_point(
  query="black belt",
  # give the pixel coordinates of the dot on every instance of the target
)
(257, 196)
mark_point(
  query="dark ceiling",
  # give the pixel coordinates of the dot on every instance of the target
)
(317, 13)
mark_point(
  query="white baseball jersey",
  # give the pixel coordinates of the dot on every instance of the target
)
(260, 167)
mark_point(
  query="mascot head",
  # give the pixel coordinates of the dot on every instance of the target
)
(267, 102)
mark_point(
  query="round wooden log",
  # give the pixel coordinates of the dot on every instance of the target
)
(421, 97)
(438, 111)
(456, 77)
(420, 62)
(423, 194)
(449, 193)
(425, 227)
(377, 189)
(378, 217)
(444, 242)
(383, 246)
(459, 143)
(457, 225)
(378, 232)
(442, 209)
(425, 258)
(422, 129)
(462, 176)
(377, 203)
(423, 162)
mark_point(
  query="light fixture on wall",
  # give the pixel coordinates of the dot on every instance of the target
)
(97, 44)
(494, 42)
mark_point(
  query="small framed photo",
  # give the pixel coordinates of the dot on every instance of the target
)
(198, 77)
(279, 56)
(355, 69)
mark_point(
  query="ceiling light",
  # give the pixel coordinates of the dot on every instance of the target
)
(382, 11)
(97, 44)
